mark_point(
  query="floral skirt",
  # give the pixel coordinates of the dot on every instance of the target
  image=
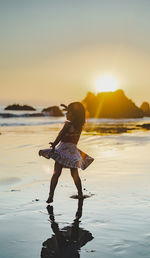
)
(68, 155)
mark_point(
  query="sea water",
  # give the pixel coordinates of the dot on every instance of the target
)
(24, 118)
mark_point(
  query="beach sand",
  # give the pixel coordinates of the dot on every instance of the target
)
(115, 220)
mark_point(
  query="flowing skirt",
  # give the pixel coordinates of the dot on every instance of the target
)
(68, 155)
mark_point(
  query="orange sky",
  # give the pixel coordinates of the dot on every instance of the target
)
(52, 53)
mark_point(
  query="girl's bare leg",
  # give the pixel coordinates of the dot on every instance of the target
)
(57, 172)
(77, 181)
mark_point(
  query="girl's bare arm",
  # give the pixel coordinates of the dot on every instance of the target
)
(61, 133)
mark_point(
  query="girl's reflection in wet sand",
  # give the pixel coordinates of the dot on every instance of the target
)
(66, 242)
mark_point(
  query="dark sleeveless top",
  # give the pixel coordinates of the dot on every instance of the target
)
(70, 134)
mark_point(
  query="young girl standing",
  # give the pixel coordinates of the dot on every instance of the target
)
(66, 154)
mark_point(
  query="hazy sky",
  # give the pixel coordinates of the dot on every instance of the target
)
(52, 52)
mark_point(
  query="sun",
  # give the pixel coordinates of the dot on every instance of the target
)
(106, 83)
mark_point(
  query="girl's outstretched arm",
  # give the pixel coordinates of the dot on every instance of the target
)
(61, 133)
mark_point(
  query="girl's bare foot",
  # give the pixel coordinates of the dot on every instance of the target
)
(50, 199)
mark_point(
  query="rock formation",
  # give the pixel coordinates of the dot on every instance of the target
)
(146, 108)
(53, 111)
(19, 107)
(111, 105)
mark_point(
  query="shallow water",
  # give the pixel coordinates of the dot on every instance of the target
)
(116, 215)
(20, 118)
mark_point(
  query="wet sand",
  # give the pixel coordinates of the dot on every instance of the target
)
(114, 221)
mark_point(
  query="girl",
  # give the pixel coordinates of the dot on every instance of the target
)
(66, 154)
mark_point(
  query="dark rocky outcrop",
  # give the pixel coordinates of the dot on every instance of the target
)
(113, 128)
(111, 105)
(18, 107)
(145, 126)
(53, 111)
(146, 108)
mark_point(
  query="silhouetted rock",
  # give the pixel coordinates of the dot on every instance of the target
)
(19, 107)
(146, 108)
(145, 126)
(110, 130)
(104, 128)
(111, 105)
(53, 111)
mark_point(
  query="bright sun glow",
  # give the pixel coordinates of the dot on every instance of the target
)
(106, 83)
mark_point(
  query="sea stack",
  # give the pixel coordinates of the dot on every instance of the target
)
(111, 105)
(18, 107)
(53, 111)
(146, 108)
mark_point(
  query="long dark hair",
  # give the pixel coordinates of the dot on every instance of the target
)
(78, 114)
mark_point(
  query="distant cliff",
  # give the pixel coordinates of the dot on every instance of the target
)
(111, 105)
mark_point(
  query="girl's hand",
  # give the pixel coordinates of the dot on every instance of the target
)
(52, 146)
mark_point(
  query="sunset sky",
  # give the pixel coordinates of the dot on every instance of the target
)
(52, 52)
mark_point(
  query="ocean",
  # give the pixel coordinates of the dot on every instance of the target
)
(25, 118)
